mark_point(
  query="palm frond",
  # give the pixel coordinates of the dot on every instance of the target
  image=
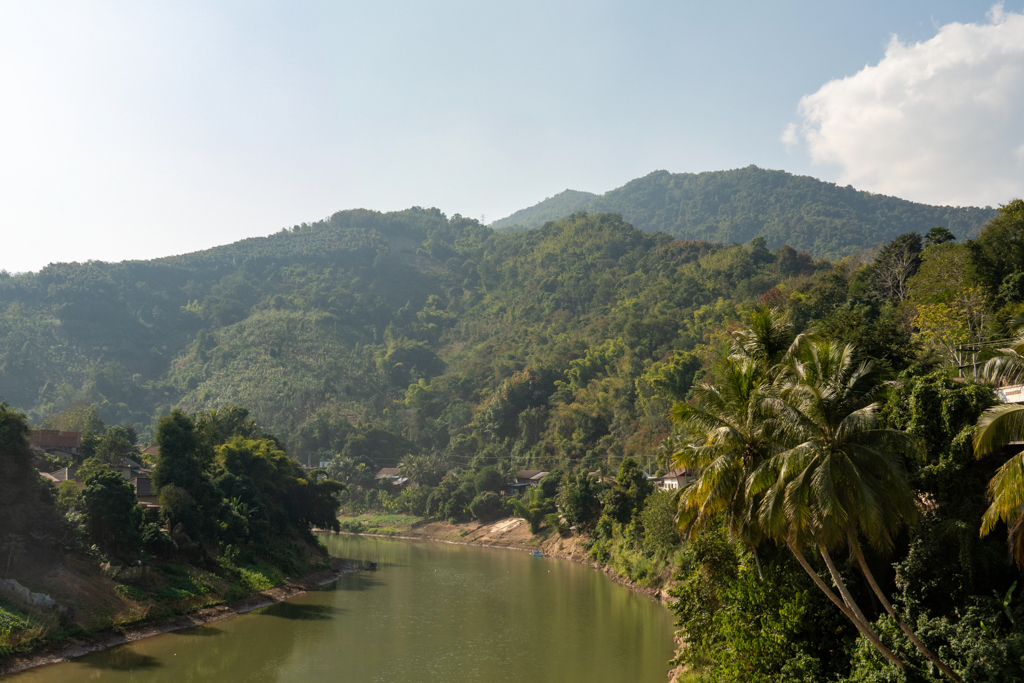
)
(998, 426)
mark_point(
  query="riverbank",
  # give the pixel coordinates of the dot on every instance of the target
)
(512, 533)
(76, 647)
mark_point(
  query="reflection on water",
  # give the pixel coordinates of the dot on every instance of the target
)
(432, 612)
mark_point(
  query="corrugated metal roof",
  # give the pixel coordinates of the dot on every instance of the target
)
(143, 486)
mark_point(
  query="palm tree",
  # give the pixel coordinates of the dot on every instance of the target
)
(425, 470)
(728, 430)
(997, 427)
(726, 436)
(839, 477)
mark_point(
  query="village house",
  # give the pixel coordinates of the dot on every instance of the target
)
(391, 475)
(526, 479)
(143, 486)
(55, 442)
(675, 479)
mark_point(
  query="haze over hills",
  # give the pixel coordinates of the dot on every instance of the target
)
(808, 214)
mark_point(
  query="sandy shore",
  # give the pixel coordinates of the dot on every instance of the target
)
(73, 648)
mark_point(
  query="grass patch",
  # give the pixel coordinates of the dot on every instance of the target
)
(131, 592)
(383, 524)
(258, 579)
(181, 584)
(13, 620)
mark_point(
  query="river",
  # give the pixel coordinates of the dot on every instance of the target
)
(433, 612)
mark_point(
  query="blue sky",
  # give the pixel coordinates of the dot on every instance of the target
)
(136, 130)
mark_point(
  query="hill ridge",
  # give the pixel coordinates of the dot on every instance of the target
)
(736, 205)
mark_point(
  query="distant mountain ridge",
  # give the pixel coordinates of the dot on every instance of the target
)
(808, 214)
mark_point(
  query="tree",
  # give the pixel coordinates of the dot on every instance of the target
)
(425, 470)
(840, 476)
(489, 479)
(26, 504)
(579, 501)
(625, 501)
(729, 431)
(997, 427)
(896, 264)
(113, 515)
(488, 506)
(998, 251)
(184, 463)
(533, 507)
(940, 234)
(115, 446)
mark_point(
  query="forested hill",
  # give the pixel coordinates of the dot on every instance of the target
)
(377, 335)
(822, 218)
(386, 334)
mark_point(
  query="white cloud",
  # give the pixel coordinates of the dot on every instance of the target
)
(941, 121)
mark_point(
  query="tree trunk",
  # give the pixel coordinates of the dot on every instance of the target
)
(931, 656)
(841, 585)
(862, 627)
(757, 563)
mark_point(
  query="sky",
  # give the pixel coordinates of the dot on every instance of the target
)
(136, 130)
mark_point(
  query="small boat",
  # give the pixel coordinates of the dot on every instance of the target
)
(537, 553)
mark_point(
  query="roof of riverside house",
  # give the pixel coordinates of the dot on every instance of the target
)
(54, 438)
(388, 473)
(66, 473)
(528, 474)
(677, 472)
(538, 476)
(143, 486)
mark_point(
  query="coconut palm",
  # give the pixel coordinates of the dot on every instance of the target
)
(727, 432)
(840, 477)
(425, 470)
(1007, 367)
(726, 436)
(997, 427)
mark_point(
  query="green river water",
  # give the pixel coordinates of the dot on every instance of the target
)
(433, 612)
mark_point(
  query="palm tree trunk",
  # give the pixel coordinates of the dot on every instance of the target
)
(862, 627)
(757, 563)
(841, 585)
(931, 656)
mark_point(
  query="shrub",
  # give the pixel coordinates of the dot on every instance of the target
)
(488, 506)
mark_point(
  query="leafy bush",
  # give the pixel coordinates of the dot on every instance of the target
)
(488, 506)
(256, 580)
(352, 526)
(13, 619)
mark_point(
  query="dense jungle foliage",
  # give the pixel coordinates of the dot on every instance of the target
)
(381, 335)
(847, 521)
(824, 219)
(599, 353)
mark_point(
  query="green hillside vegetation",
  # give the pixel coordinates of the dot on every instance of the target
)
(391, 334)
(824, 219)
(815, 400)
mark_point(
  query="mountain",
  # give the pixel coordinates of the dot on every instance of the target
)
(735, 206)
(391, 333)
